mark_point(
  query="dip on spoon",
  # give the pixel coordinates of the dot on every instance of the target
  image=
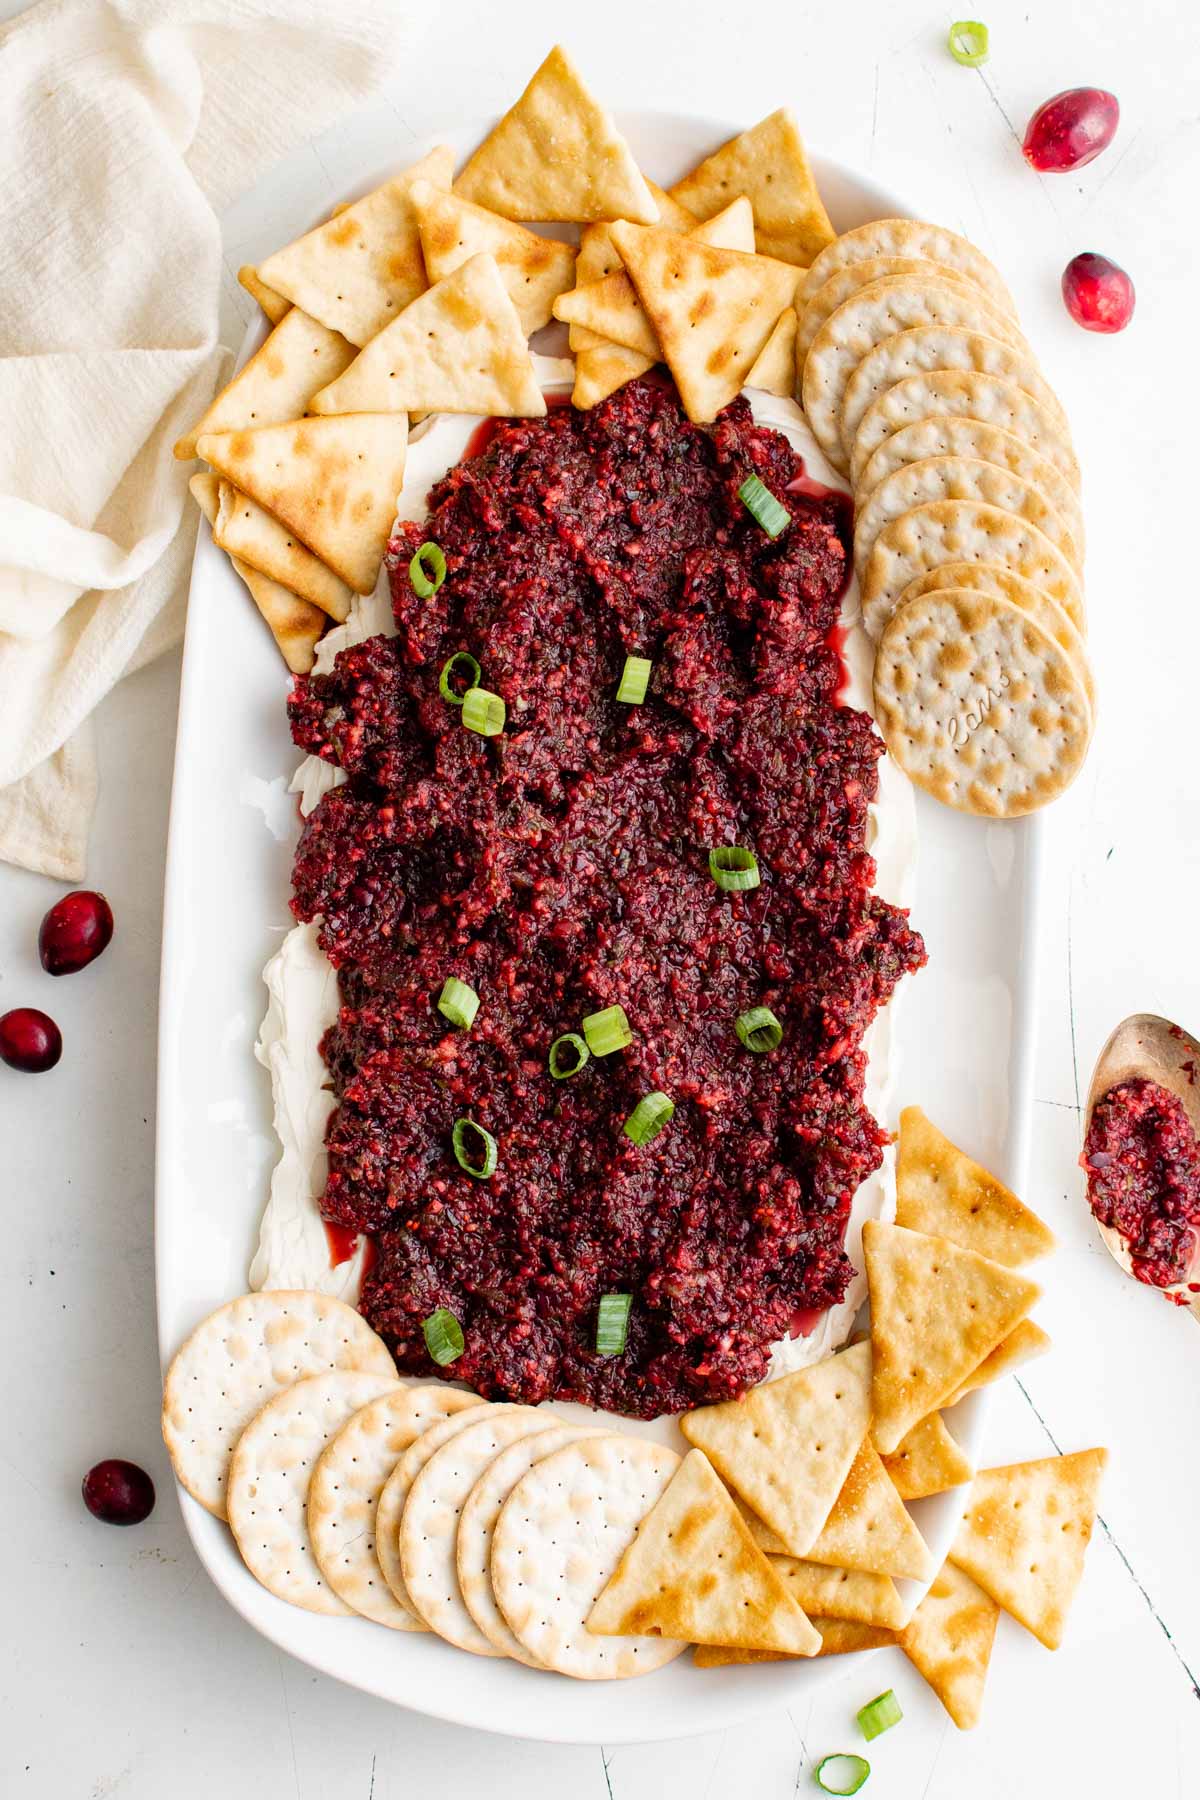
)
(1141, 1154)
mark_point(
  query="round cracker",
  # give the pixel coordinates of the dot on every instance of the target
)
(988, 443)
(979, 705)
(929, 348)
(558, 1540)
(962, 531)
(269, 1473)
(846, 281)
(957, 478)
(429, 1522)
(991, 578)
(913, 238)
(237, 1359)
(344, 1493)
(477, 1524)
(896, 304)
(961, 393)
(394, 1493)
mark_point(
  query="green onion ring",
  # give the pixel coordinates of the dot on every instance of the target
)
(648, 1117)
(483, 712)
(458, 1002)
(427, 571)
(759, 1030)
(578, 1049)
(612, 1323)
(635, 679)
(734, 869)
(763, 507)
(852, 1774)
(459, 1139)
(967, 42)
(463, 663)
(607, 1031)
(443, 1336)
(879, 1714)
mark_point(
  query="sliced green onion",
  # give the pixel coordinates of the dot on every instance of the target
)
(612, 1323)
(443, 1336)
(462, 663)
(880, 1714)
(635, 679)
(733, 869)
(607, 1031)
(467, 1138)
(840, 1774)
(458, 1002)
(968, 42)
(427, 571)
(763, 507)
(759, 1029)
(568, 1054)
(648, 1117)
(483, 712)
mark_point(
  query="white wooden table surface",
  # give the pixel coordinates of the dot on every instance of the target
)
(121, 1671)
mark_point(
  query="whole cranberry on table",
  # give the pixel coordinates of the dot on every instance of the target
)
(74, 932)
(29, 1040)
(1070, 130)
(1098, 293)
(118, 1493)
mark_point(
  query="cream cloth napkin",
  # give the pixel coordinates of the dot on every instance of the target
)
(126, 126)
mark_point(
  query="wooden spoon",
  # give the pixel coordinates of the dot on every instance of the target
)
(1151, 1047)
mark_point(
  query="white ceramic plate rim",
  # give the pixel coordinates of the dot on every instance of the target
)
(415, 1672)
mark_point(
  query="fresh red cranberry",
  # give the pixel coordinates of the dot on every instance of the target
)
(29, 1040)
(118, 1493)
(1099, 294)
(74, 932)
(1071, 129)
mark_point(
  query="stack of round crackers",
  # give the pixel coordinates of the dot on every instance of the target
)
(920, 386)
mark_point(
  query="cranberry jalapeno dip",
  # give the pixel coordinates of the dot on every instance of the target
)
(561, 868)
(1143, 1168)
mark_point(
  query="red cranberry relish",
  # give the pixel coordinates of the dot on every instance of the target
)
(562, 868)
(1143, 1170)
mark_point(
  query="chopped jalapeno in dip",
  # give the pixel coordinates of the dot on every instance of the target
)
(562, 869)
(1143, 1168)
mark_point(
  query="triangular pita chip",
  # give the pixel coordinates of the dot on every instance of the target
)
(246, 530)
(557, 154)
(870, 1527)
(1024, 1534)
(936, 1312)
(333, 482)
(535, 270)
(928, 1461)
(949, 1641)
(1022, 1344)
(768, 165)
(601, 368)
(694, 1572)
(458, 348)
(939, 1189)
(839, 1637)
(300, 357)
(295, 625)
(610, 306)
(712, 310)
(786, 1447)
(775, 368)
(361, 268)
(598, 257)
(273, 304)
(841, 1593)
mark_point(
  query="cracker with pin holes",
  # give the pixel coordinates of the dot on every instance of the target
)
(787, 1446)
(854, 1594)
(914, 238)
(559, 1538)
(534, 270)
(237, 1359)
(942, 1190)
(299, 357)
(992, 578)
(395, 1490)
(958, 478)
(1024, 1534)
(823, 302)
(768, 164)
(896, 304)
(694, 1572)
(839, 1637)
(429, 1522)
(928, 1460)
(978, 705)
(869, 1526)
(295, 624)
(932, 351)
(949, 1641)
(936, 1312)
(344, 1494)
(269, 1473)
(246, 530)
